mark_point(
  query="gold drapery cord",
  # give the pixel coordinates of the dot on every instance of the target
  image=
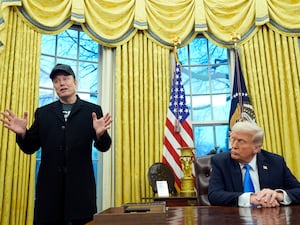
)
(272, 65)
(142, 94)
(19, 77)
(114, 23)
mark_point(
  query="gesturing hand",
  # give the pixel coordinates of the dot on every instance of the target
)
(14, 123)
(102, 124)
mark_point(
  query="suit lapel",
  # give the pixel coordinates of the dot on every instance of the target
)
(263, 170)
(76, 108)
(236, 176)
(57, 109)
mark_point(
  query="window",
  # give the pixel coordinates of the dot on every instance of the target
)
(205, 75)
(75, 48)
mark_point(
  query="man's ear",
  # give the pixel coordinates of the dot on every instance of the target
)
(257, 148)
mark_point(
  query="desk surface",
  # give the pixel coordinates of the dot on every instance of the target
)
(212, 215)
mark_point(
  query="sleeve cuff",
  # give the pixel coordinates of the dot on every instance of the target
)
(244, 200)
(286, 199)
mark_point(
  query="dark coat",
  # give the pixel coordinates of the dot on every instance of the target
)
(225, 185)
(65, 186)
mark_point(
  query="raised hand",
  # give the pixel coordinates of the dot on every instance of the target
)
(102, 124)
(14, 123)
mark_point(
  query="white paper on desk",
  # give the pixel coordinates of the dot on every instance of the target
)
(162, 188)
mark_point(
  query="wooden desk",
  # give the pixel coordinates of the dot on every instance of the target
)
(212, 215)
(175, 201)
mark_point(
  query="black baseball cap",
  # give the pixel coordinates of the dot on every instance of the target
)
(61, 68)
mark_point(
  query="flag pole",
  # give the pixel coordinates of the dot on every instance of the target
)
(235, 38)
(176, 41)
(241, 108)
(178, 129)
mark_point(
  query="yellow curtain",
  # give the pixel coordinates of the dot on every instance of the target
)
(272, 72)
(19, 77)
(113, 23)
(142, 98)
(141, 31)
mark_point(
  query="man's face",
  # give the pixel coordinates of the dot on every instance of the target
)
(65, 87)
(242, 147)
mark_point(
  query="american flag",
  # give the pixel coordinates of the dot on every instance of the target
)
(241, 108)
(178, 130)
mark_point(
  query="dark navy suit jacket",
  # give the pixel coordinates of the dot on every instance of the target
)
(225, 185)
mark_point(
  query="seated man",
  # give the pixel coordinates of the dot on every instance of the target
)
(272, 182)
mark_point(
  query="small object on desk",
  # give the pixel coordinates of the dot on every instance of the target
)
(145, 207)
(129, 209)
(162, 188)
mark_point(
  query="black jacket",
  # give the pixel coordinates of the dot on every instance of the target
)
(66, 184)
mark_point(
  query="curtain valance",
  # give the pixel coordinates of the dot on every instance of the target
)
(114, 22)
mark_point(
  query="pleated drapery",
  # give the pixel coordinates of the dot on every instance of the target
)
(272, 65)
(112, 23)
(142, 31)
(19, 77)
(142, 98)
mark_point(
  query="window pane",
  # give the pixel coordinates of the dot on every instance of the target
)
(222, 138)
(217, 54)
(201, 108)
(220, 79)
(204, 139)
(185, 77)
(183, 56)
(200, 80)
(87, 77)
(47, 63)
(88, 48)
(220, 105)
(49, 42)
(198, 51)
(67, 44)
(206, 136)
(46, 96)
(205, 73)
(38, 163)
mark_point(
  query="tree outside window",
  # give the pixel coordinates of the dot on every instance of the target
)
(205, 74)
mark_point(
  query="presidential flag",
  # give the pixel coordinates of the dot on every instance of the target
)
(241, 108)
(178, 129)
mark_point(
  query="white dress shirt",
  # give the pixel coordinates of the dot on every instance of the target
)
(244, 199)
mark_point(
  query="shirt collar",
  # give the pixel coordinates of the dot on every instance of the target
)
(252, 163)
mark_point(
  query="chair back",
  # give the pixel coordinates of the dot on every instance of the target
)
(202, 174)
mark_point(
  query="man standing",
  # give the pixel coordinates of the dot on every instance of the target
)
(249, 176)
(65, 130)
